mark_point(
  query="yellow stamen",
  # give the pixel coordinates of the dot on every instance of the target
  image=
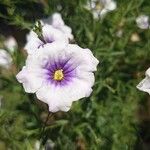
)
(58, 75)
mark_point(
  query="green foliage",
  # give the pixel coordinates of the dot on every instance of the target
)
(108, 119)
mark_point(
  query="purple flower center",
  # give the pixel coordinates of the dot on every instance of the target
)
(60, 72)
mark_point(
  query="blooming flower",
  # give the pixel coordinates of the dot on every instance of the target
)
(57, 22)
(59, 76)
(101, 7)
(143, 22)
(5, 59)
(10, 43)
(144, 85)
(51, 36)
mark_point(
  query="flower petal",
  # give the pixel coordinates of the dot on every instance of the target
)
(87, 61)
(10, 43)
(61, 98)
(33, 43)
(67, 31)
(31, 80)
(144, 85)
(52, 34)
(5, 59)
(56, 20)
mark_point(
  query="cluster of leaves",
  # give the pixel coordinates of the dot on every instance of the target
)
(109, 119)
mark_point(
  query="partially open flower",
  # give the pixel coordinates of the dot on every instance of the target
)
(10, 43)
(144, 85)
(59, 76)
(50, 36)
(143, 22)
(101, 7)
(5, 59)
(57, 22)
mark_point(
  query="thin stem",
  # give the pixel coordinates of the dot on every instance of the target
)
(43, 128)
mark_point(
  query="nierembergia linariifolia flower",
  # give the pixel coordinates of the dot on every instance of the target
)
(100, 8)
(59, 75)
(143, 22)
(51, 36)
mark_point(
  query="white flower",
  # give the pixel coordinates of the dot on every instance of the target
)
(101, 7)
(51, 36)
(10, 43)
(59, 76)
(143, 22)
(57, 22)
(144, 85)
(5, 59)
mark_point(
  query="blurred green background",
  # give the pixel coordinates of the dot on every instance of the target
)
(116, 116)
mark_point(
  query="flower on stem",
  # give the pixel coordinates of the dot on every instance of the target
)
(5, 59)
(143, 22)
(101, 7)
(144, 85)
(59, 75)
(48, 36)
